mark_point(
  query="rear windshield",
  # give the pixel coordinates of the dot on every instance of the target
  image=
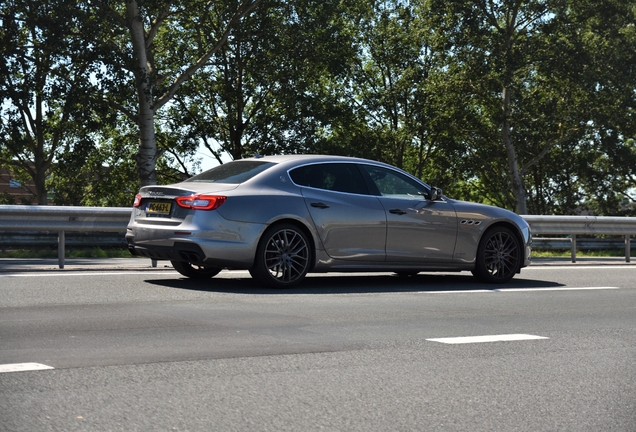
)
(232, 172)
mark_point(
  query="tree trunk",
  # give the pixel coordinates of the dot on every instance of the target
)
(40, 185)
(145, 76)
(147, 156)
(518, 190)
(40, 167)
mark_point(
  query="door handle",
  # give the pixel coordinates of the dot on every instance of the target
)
(319, 205)
(397, 211)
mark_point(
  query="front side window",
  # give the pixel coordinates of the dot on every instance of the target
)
(232, 172)
(393, 183)
(337, 177)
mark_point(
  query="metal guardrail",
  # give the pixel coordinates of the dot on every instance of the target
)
(115, 219)
(582, 244)
(62, 219)
(584, 225)
(74, 239)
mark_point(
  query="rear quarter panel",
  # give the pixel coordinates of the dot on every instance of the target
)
(266, 205)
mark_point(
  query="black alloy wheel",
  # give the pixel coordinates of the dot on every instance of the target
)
(194, 271)
(283, 257)
(498, 256)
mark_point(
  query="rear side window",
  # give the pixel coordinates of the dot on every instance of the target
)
(232, 172)
(338, 177)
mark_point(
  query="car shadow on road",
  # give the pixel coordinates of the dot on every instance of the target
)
(355, 284)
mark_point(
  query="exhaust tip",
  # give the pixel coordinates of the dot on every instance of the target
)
(191, 257)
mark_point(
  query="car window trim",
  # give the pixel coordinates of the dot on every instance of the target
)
(368, 178)
(369, 191)
(371, 186)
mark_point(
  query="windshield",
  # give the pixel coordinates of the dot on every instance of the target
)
(232, 172)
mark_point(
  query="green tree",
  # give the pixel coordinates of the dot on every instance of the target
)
(399, 101)
(267, 89)
(157, 45)
(497, 45)
(401, 98)
(539, 82)
(45, 88)
(608, 155)
(388, 84)
(107, 174)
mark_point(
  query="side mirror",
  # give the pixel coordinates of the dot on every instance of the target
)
(435, 194)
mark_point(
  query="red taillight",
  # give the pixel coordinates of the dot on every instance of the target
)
(137, 201)
(201, 202)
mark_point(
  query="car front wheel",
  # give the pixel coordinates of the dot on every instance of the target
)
(194, 271)
(283, 257)
(498, 256)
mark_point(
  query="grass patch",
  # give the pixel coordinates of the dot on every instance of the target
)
(579, 253)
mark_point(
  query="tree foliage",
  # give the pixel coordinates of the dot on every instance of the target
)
(541, 91)
(158, 45)
(48, 111)
(267, 89)
(526, 104)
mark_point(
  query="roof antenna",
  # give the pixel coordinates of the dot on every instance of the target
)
(256, 155)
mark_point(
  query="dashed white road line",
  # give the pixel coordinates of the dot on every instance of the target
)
(490, 338)
(23, 367)
(628, 266)
(505, 290)
(113, 273)
(556, 289)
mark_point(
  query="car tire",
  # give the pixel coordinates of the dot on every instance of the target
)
(498, 256)
(283, 257)
(194, 271)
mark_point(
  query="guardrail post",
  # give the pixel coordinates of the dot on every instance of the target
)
(573, 248)
(153, 263)
(628, 247)
(61, 248)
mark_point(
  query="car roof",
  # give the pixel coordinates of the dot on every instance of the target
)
(298, 158)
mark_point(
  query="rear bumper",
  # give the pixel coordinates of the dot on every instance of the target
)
(181, 251)
(225, 244)
(239, 258)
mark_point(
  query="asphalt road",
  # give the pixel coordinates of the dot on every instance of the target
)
(134, 348)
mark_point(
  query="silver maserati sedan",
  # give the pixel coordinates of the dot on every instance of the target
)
(281, 217)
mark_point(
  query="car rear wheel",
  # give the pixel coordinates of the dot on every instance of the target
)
(283, 257)
(194, 271)
(498, 256)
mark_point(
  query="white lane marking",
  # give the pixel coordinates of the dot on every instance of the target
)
(630, 266)
(108, 273)
(481, 291)
(555, 289)
(23, 367)
(505, 290)
(491, 338)
(165, 272)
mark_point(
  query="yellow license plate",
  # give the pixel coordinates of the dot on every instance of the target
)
(159, 207)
